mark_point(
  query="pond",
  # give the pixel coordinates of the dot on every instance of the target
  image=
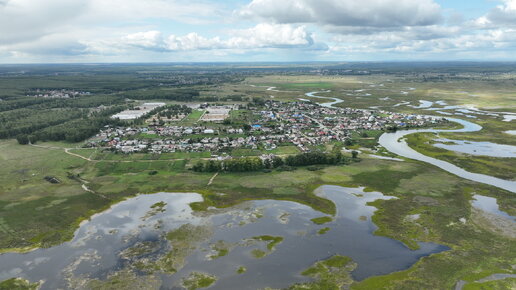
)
(477, 148)
(253, 245)
(490, 205)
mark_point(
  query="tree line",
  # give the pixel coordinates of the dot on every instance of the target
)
(247, 164)
(74, 130)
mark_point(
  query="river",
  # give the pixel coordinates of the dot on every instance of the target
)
(394, 143)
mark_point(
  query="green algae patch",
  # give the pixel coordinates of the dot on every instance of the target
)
(272, 241)
(323, 231)
(156, 208)
(183, 241)
(333, 273)
(197, 280)
(140, 249)
(18, 284)
(241, 270)
(258, 254)
(322, 220)
(219, 249)
(125, 279)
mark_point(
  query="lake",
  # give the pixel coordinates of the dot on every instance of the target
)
(132, 237)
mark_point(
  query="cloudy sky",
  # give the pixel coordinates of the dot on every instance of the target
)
(255, 30)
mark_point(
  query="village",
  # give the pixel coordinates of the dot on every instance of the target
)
(274, 124)
(58, 94)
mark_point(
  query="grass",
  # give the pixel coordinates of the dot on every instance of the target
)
(323, 231)
(258, 254)
(241, 270)
(312, 85)
(192, 118)
(281, 150)
(221, 249)
(272, 241)
(18, 284)
(332, 273)
(322, 220)
(197, 280)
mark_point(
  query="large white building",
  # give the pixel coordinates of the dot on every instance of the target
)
(135, 114)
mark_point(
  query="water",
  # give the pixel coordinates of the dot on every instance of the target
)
(508, 118)
(385, 157)
(96, 248)
(477, 148)
(328, 104)
(490, 205)
(394, 143)
(423, 104)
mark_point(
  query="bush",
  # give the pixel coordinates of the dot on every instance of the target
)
(22, 139)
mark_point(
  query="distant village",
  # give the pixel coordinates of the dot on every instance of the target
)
(57, 94)
(302, 124)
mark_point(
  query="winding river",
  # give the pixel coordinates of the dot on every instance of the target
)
(329, 104)
(394, 143)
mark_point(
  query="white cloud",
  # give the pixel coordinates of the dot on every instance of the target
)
(504, 14)
(261, 36)
(27, 20)
(351, 13)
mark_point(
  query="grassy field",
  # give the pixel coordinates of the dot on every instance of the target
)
(192, 118)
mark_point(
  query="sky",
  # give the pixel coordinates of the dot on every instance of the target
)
(84, 31)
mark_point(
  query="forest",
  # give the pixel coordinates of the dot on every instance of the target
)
(29, 118)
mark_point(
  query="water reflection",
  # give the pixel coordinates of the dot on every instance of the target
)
(101, 245)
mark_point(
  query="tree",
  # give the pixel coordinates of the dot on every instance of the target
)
(22, 139)
(354, 154)
(198, 167)
(277, 161)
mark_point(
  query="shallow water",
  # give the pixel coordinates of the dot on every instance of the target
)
(395, 143)
(328, 104)
(96, 248)
(423, 104)
(490, 205)
(508, 118)
(477, 148)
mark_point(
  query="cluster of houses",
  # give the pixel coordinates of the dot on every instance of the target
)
(58, 94)
(302, 124)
